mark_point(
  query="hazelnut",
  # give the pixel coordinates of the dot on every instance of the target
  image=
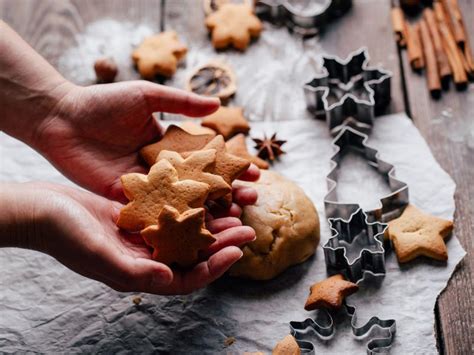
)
(105, 70)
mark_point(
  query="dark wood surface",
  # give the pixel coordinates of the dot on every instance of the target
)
(448, 124)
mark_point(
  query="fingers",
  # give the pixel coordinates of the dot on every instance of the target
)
(204, 273)
(252, 173)
(166, 99)
(219, 212)
(244, 195)
(235, 236)
(220, 224)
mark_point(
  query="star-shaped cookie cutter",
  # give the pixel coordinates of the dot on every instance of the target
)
(324, 327)
(349, 92)
(365, 238)
(391, 206)
(306, 21)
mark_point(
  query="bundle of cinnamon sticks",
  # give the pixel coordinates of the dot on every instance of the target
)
(437, 43)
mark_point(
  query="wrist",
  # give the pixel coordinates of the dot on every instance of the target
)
(21, 223)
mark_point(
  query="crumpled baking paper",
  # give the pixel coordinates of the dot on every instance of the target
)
(45, 307)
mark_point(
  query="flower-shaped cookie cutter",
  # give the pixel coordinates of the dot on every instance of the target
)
(349, 92)
(323, 326)
(305, 17)
(391, 205)
(356, 247)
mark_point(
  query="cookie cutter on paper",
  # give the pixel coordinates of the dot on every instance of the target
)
(325, 331)
(391, 205)
(349, 92)
(354, 233)
(304, 17)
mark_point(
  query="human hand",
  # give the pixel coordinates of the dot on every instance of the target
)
(94, 133)
(78, 229)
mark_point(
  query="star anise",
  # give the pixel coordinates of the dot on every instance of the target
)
(269, 148)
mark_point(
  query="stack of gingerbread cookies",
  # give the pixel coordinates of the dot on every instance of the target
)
(167, 205)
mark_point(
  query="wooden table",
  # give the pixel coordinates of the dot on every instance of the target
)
(447, 125)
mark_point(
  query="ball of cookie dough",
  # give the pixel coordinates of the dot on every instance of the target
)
(287, 226)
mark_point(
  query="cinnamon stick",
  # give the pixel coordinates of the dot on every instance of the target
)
(450, 47)
(451, 7)
(432, 73)
(441, 58)
(462, 38)
(398, 23)
(414, 49)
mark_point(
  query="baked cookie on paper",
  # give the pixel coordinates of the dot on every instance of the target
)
(416, 233)
(233, 25)
(159, 55)
(148, 194)
(227, 121)
(287, 346)
(178, 238)
(330, 293)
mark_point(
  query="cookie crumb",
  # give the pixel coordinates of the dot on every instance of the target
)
(136, 300)
(229, 341)
(105, 70)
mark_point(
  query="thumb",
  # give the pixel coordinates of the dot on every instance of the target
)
(151, 276)
(167, 99)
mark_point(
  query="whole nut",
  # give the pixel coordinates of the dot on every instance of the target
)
(105, 70)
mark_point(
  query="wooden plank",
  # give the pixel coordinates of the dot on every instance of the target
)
(448, 127)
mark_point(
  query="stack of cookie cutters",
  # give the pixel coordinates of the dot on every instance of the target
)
(304, 17)
(349, 94)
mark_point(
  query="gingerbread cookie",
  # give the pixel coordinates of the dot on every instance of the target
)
(177, 140)
(198, 166)
(227, 121)
(195, 129)
(229, 166)
(159, 55)
(233, 24)
(238, 147)
(416, 233)
(287, 346)
(213, 79)
(149, 193)
(330, 293)
(178, 238)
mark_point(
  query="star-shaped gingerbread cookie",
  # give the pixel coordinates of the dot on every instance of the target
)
(233, 24)
(178, 238)
(238, 147)
(175, 139)
(330, 293)
(193, 128)
(229, 166)
(416, 233)
(198, 166)
(149, 193)
(159, 54)
(227, 121)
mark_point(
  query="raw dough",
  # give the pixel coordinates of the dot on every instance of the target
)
(287, 227)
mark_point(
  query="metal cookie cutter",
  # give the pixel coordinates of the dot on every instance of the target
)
(349, 92)
(356, 247)
(392, 205)
(325, 330)
(302, 16)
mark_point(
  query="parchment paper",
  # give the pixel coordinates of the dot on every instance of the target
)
(47, 308)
